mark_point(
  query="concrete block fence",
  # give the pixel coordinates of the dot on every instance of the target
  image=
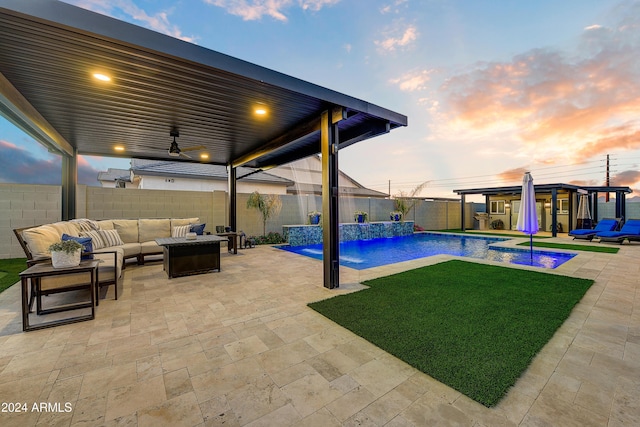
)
(23, 205)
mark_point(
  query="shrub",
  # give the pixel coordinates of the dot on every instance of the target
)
(497, 224)
(272, 238)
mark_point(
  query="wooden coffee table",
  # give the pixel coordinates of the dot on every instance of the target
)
(183, 257)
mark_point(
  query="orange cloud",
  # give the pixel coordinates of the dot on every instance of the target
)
(550, 104)
(512, 175)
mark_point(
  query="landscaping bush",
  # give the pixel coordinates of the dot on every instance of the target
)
(272, 238)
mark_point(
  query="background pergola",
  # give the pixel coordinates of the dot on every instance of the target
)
(552, 191)
(49, 52)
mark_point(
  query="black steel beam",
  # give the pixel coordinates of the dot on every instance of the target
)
(233, 198)
(330, 228)
(69, 185)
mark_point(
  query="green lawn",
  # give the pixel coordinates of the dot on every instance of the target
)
(493, 233)
(573, 247)
(11, 268)
(472, 326)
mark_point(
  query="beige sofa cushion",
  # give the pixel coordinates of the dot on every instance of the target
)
(150, 229)
(150, 248)
(67, 227)
(127, 229)
(105, 224)
(38, 240)
(183, 221)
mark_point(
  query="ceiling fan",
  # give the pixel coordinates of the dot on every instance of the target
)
(176, 151)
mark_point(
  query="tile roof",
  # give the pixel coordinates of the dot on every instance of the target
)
(201, 171)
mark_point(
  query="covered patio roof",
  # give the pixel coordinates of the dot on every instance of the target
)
(52, 50)
(542, 188)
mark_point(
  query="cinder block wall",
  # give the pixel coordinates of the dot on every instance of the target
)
(24, 205)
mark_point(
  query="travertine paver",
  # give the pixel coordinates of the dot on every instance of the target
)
(241, 347)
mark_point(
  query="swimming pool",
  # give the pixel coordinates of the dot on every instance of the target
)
(362, 254)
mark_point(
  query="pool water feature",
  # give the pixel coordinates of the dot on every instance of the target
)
(363, 254)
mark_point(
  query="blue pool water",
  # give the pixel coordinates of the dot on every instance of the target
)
(361, 254)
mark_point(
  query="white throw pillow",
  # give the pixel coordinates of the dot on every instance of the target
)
(180, 231)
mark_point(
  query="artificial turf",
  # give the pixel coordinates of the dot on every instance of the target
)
(12, 267)
(474, 327)
(573, 247)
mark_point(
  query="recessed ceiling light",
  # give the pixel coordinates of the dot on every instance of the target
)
(118, 148)
(260, 111)
(204, 156)
(102, 77)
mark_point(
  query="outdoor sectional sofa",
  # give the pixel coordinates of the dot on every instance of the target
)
(113, 242)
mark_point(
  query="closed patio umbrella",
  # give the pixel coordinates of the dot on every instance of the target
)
(528, 216)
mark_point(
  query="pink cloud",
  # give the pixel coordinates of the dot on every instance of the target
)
(585, 104)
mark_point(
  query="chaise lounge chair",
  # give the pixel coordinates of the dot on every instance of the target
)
(629, 231)
(605, 224)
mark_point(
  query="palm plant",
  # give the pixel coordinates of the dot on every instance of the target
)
(269, 205)
(406, 201)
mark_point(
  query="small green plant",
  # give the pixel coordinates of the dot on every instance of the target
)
(360, 214)
(497, 224)
(272, 238)
(406, 201)
(66, 246)
(268, 205)
(314, 217)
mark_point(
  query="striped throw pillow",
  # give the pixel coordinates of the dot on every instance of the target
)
(97, 241)
(180, 231)
(110, 238)
(103, 238)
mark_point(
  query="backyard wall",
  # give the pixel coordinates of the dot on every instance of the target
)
(24, 205)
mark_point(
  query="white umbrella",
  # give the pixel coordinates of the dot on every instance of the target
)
(528, 215)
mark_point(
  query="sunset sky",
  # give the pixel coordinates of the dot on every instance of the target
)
(492, 88)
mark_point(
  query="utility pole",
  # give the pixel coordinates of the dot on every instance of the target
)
(606, 197)
(389, 188)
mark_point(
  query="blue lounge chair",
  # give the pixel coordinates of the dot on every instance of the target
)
(629, 231)
(605, 224)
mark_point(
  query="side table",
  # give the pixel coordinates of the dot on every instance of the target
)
(32, 276)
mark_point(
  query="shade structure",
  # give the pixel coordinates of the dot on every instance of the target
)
(584, 215)
(528, 215)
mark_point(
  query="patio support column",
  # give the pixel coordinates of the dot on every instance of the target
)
(620, 205)
(233, 213)
(462, 203)
(594, 206)
(330, 228)
(69, 185)
(554, 213)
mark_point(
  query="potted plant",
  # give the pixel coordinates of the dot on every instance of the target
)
(65, 253)
(314, 217)
(395, 216)
(360, 216)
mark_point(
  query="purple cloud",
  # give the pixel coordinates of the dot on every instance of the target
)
(18, 165)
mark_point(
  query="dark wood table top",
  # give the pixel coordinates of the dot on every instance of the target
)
(46, 268)
(181, 241)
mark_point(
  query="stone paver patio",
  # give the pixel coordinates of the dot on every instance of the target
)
(241, 347)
